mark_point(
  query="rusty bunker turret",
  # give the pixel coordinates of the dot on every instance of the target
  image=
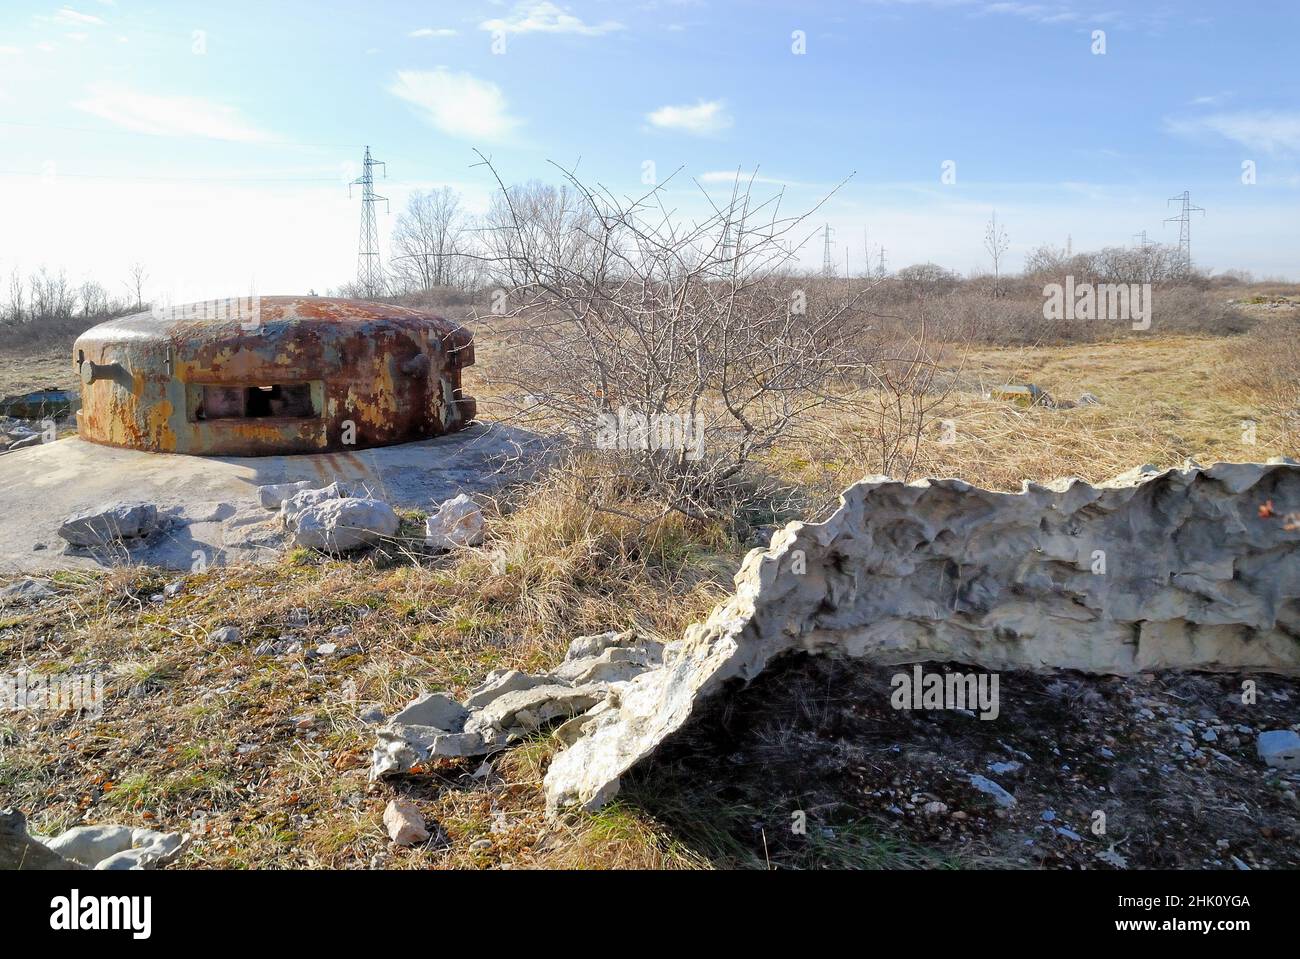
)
(271, 375)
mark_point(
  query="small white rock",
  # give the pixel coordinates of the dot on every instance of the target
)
(457, 523)
(405, 823)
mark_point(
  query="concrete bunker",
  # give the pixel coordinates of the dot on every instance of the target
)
(272, 375)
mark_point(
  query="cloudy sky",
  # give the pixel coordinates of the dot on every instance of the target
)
(214, 142)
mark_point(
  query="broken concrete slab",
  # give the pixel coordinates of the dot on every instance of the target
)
(511, 705)
(108, 523)
(1173, 569)
(433, 709)
(49, 481)
(22, 852)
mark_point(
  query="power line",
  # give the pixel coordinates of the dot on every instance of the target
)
(1184, 221)
(370, 277)
(828, 262)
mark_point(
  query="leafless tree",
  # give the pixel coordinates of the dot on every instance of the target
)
(17, 312)
(428, 241)
(52, 298)
(136, 276)
(996, 242)
(898, 397)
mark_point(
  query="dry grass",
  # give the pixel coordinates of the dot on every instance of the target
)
(264, 755)
(1162, 400)
(27, 371)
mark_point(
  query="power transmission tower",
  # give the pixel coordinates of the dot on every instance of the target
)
(1142, 240)
(1184, 221)
(370, 274)
(828, 263)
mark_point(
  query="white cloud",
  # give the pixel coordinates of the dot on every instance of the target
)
(730, 176)
(546, 17)
(703, 119)
(1266, 131)
(9, 51)
(458, 104)
(432, 32)
(72, 18)
(167, 115)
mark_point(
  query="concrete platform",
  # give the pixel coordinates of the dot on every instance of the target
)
(212, 501)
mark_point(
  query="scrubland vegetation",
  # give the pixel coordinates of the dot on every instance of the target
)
(583, 304)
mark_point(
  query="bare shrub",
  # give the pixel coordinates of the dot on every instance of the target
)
(894, 405)
(678, 351)
(1183, 309)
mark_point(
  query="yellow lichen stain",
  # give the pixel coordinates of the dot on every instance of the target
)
(362, 407)
(158, 426)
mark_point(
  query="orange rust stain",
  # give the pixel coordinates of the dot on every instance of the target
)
(158, 425)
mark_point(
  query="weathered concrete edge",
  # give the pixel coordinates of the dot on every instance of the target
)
(743, 634)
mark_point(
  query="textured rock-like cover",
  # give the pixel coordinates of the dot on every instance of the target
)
(1181, 569)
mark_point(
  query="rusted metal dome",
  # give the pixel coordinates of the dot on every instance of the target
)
(280, 374)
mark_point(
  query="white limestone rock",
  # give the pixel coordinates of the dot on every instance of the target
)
(1192, 576)
(499, 682)
(88, 845)
(1279, 748)
(405, 823)
(342, 525)
(110, 847)
(273, 495)
(433, 709)
(291, 507)
(457, 523)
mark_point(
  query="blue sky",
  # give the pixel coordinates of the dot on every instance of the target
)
(214, 142)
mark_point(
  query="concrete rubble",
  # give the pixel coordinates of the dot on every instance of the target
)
(102, 847)
(222, 509)
(510, 705)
